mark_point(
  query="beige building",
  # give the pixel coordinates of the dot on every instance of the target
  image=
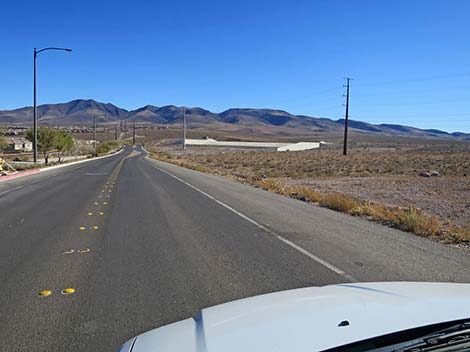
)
(19, 145)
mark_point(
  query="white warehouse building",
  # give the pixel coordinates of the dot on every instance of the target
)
(279, 146)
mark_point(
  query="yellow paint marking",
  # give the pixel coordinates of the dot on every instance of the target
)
(84, 250)
(82, 228)
(45, 293)
(105, 203)
(94, 227)
(102, 190)
(109, 191)
(101, 213)
(90, 214)
(68, 291)
(107, 196)
(100, 196)
(68, 251)
(95, 203)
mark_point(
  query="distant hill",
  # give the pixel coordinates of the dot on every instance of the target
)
(74, 112)
(246, 120)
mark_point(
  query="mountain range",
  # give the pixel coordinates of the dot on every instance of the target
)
(241, 120)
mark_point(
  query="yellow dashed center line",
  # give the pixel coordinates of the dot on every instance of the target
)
(109, 184)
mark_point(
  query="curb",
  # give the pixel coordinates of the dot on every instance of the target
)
(19, 174)
(45, 169)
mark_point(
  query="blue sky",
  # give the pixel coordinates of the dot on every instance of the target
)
(410, 59)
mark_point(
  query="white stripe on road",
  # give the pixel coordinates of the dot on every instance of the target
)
(264, 228)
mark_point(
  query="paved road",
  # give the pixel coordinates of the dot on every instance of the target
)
(165, 242)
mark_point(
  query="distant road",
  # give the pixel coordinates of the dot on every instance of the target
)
(166, 242)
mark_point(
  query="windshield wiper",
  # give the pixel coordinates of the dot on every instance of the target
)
(455, 338)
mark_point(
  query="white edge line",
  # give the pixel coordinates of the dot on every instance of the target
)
(264, 228)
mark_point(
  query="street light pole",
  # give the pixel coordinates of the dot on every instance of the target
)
(35, 121)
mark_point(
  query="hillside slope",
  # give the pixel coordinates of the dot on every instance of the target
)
(240, 120)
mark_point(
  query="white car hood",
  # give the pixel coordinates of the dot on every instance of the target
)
(307, 319)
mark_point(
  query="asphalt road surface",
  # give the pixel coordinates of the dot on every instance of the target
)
(165, 242)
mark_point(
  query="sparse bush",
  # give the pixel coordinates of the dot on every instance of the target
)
(304, 193)
(107, 146)
(338, 201)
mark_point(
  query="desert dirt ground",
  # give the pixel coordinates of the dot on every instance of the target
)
(383, 173)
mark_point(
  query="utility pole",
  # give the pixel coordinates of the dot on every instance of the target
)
(345, 143)
(116, 132)
(133, 133)
(184, 128)
(94, 134)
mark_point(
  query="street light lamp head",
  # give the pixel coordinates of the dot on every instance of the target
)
(68, 49)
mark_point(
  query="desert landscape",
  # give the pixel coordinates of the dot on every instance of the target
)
(414, 179)
(417, 185)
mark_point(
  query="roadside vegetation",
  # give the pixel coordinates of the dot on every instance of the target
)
(107, 146)
(49, 140)
(284, 173)
(3, 143)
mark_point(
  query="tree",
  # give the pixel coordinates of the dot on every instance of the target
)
(46, 141)
(64, 143)
(3, 142)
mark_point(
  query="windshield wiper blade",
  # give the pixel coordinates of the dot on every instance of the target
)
(444, 340)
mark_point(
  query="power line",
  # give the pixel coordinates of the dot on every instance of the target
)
(417, 79)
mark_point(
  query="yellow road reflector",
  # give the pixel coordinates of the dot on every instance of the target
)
(109, 191)
(68, 291)
(101, 213)
(95, 203)
(94, 227)
(68, 251)
(84, 250)
(90, 214)
(102, 190)
(45, 293)
(82, 228)
(105, 203)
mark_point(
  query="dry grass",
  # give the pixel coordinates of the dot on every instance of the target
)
(407, 219)
(413, 220)
(338, 201)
